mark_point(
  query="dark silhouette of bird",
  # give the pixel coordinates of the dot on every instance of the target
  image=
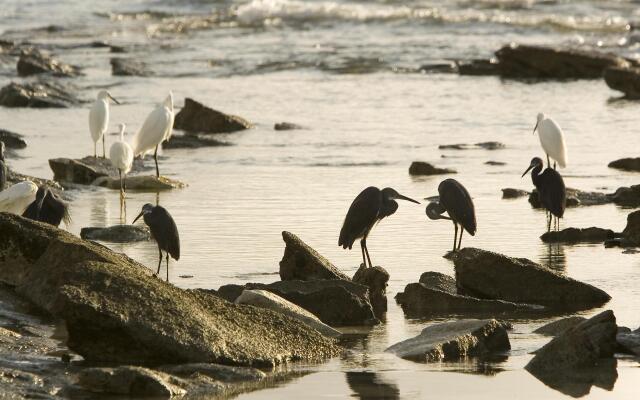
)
(164, 230)
(456, 201)
(551, 190)
(3, 168)
(371, 206)
(48, 207)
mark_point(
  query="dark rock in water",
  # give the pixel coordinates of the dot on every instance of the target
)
(335, 302)
(34, 62)
(619, 242)
(627, 196)
(558, 327)
(495, 163)
(368, 385)
(466, 146)
(436, 294)
(573, 361)
(629, 342)
(149, 183)
(632, 231)
(116, 310)
(196, 117)
(86, 170)
(191, 141)
(424, 168)
(454, 340)
(527, 61)
(445, 67)
(301, 262)
(12, 140)
(375, 278)
(625, 80)
(510, 193)
(117, 233)
(223, 373)
(129, 67)
(129, 380)
(37, 95)
(478, 67)
(575, 198)
(286, 126)
(576, 235)
(626, 164)
(117, 49)
(489, 275)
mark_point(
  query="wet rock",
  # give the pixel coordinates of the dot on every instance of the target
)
(191, 141)
(626, 164)
(625, 80)
(116, 233)
(129, 67)
(577, 235)
(271, 301)
(489, 275)
(510, 193)
(454, 340)
(12, 140)
(116, 310)
(222, 373)
(627, 196)
(575, 198)
(436, 294)
(466, 146)
(85, 171)
(558, 327)
(632, 231)
(495, 163)
(34, 62)
(196, 117)
(150, 183)
(375, 278)
(424, 168)
(528, 61)
(286, 126)
(301, 262)
(128, 380)
(445, 67)
(14, 177)
(335, 302)
(478, 67)
(37, 95)
(629, 342)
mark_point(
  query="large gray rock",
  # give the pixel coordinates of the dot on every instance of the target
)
(37, 95)
(629, 342)
(625, 80)
(489, 275)
(626, 164)
(301, 262)
(632, 231)
(424, 168)
(375, 278)
(527, 61)
(558, 327)
(12, 140)
(129, 380)
(196, 117)
(116, 233)
(578, 235)
(129, 67)
(116, 310)
(454, 340)
(34, 62)
(436, 294)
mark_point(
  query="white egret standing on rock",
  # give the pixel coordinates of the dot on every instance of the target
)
(99, 119)
(17, 198)
(121, 155)
(157, 128)
(552, 140)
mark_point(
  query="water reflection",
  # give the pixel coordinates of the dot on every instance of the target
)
(369, 385)
(578, 382)
(552, 256)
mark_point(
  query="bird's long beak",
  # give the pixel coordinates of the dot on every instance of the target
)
(138, 217)
(528, 169)
(536, 127)
(114, 100)
(401, 197)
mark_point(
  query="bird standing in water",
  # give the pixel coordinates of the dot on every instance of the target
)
(121, 155)
(552, 140)
(456, 201)
(551, 190)
(157, 128)
(48, 207)
(370, 207)
(99, 119)
(164, 230)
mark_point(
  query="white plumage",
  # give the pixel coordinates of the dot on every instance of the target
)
(552, 139)
(121, 156)
(17, 198)
(156, 128)
(99, 119)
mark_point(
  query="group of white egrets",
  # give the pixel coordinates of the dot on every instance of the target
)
(157, 128)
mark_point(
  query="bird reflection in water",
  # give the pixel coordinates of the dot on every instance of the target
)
(552, 256)
(369, 386)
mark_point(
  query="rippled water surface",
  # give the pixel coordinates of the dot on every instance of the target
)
(347, 72)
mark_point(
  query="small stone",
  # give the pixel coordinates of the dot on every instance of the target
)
(424, 168)
(196, 117)
(12, 140)
(375, 278)
(117, 233)
(578, 235)
(129, 67)
(626, 164)
(510, 193)
(286, 126)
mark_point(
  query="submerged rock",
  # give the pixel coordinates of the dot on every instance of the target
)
(442, 67)
(478, 67)
(129, 380)
(557, 327)
(116, 233)
(577, 235)
(627, 196)
(625, 80)
(454, 340)
(34, 62)
(116, 310)
(375, 278)
(510, 193)
(495, 163)
(286, 126)
(301, 262)
(196, 117)
(575, 198)
(12, 140)
(129, 67)
(191, 141)
(424, 168)
(489, 275)
(626, 164)
(465, 146)
(436, 294)
(629, 342)
(271, 301)
(37, 95)
(150, 183)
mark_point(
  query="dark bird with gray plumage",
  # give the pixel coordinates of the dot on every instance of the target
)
(456, 201)
(48, 207)
(370, 207)
(164, 230)
(551, 190)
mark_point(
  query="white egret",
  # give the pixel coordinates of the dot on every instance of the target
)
(157, 128)
(552, 140)
(17, 198)
(121, 156)
(99, 119)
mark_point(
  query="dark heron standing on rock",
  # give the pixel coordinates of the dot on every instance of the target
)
(3, 168)
(48, 207)
(370, 207)
(551, 190)
(164, 230)
(455, 200)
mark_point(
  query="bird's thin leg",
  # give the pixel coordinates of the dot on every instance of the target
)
(124, 182)
(167, 267)
(364, 260)
(366, 250)
(104, 151)
(159, 261)
(548, 162)
(460, 240)
(554, 165)
(155, 157)
(455, 236)
(549, 223)
(121, 187)
(95, 150)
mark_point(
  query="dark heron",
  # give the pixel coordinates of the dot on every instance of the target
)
(48, 207)
(164, 230)
(455, 200)
(370, 207)
(3, 168)
(551, 190)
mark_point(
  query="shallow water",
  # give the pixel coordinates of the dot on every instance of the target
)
(270, 61)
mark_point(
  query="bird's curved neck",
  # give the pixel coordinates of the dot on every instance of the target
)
(535, 174)
(388, 208)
